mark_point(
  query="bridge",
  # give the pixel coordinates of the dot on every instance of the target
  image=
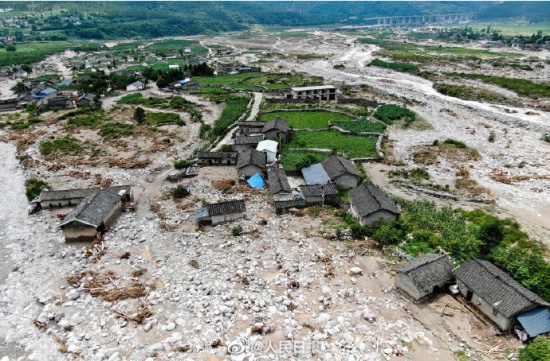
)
(416, 20)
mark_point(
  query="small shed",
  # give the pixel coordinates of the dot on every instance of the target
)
(315, 174)
(535, 322)
(217, 213)
(278, 181)
(495, 293)
(269, 147)
(418, 278)
(342, 172)
(370, 204)
(217, 158)
(138, 85)
(318, 193)
(251, 162)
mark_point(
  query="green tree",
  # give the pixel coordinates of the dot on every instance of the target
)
(139, 115)
(491, 234)
(34, 187)
(537, 350)
(179, 192)
(10, 47)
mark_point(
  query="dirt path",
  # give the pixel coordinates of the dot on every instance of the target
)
(255, 106)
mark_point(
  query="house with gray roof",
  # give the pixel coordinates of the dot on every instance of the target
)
(419, 277)
(318, 193)
(342, 171)
(216, 213)
(244, 142)
(72, 197)
(501, 298)
(92, 216)
(137, 85)
(85, 100)
(370, 204)
(247, 128)
(276, 129)
(251, 162)
(278, 181)
(284, 201)
(217, 158)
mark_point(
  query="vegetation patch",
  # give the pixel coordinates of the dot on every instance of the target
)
(470, 93)
(520, 86)
(407, 68)
(361, 125)
(352, 145)
(234, 108)
(306, 120)
(450, 149)
(116, 130)
(390, 113)
(163, 118)
(63, 145)
(33, 188)
(295, 160)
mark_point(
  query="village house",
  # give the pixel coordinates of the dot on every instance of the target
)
(85, 100)
(370, 204)
(501, 298)
(217, 213)
(217, 158)
(269, 147)
(276, 129)
(7, 105)
(56, 103)
(315, 174)
(138, 85)
(247, 128)
(46, 93)
(318, 193)
(287, 201)
(278, 181)
(72, 197)
(251, 162)
(92, 216)
(342, 172)
(244, 142)
(322, 92)
(420, 277)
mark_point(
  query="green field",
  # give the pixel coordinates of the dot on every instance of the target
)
(305, 120)
(362, 125)
(352, 145)
(514, 29)
(225, 79)
(289, 158)
(27, 53)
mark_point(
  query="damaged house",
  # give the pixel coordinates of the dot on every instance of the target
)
(420, 277)
(217, 213)
(318, 193)
(370, 204)
(217, 158)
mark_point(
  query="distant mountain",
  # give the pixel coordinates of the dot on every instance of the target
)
(117, 19)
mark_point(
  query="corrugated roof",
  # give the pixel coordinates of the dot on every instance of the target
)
(93, 209)
(337, 166)
(256, 181)
(367, 199)
(229, 207)
(278, 181)
(428, 271)
(251, 157)
(535, 322)
(497, 288)
(315, 174)
(318, 190)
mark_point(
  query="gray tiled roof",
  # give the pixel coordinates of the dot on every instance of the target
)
(93, 209)
(278, 182)
(66, 194)
(428, 271)
(251, 157)
(367, 199)
(217, 155)
(497, 288)
(251, 124)
(217, 209)
(276, 124)
(290, 203)
(337, 166)
(244, 139)
(318, 190)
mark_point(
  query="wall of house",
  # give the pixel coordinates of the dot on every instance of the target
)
(60, 203)
(380, 214)
(275, 135)
(346, 181)
(311, 200)
(250, 170)
(242, 147)
(405, 283)
(226, 218)
(500, 320)
(271, 156)
(112, 216)
(73, 234)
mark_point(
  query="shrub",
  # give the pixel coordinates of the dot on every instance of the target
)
(67, 145)
(389, 113)
(407, 68)
(536, 350)
(546, 138)
(225, 148)
(204, 130)
(182, 164)
(34, 187)
(139, 115)
(456, 143)
(237, 231)
(492, 137)
(179, 192)
(116, 130)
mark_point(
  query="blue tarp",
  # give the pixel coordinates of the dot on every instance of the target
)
(201, 213)
(315, 174)
(535, 322)
(256, 181)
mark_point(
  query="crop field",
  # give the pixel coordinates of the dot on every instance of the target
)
(352, 145)
(289, 159)
(225, 79)
(176, 46)
(305, 120)
(27, 53)
(362, 125)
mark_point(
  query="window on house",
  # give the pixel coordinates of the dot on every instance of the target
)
(495, 312)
